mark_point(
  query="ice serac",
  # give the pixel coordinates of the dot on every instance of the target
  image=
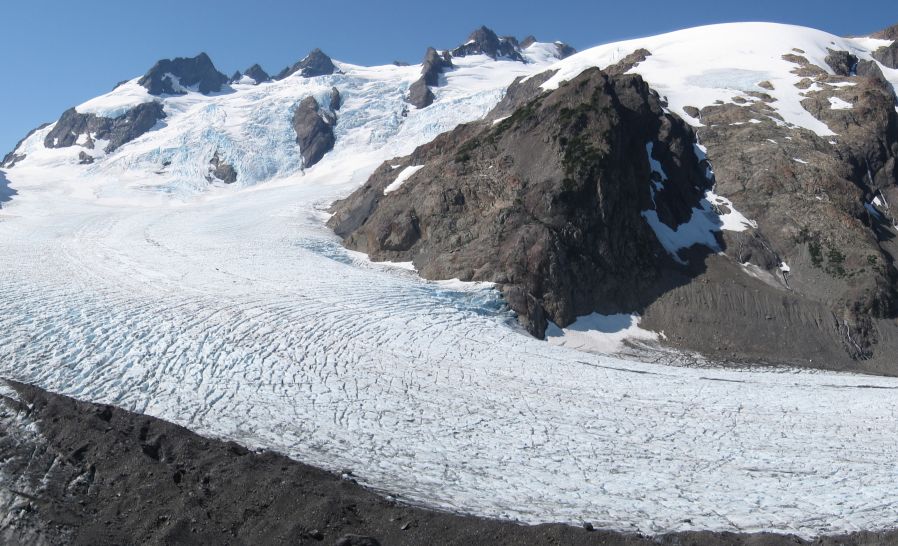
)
(316, 63)
(434, 64)
(484, 41)
(547, 203)
(84, 129)
(314, 128)
(174, 76)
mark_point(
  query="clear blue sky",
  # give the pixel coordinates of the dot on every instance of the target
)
(56, 54)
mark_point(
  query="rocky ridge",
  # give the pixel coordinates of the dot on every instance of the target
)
(172, 76)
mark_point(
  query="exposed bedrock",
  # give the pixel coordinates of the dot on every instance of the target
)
(314, 128)
(822, 207)
(255, 73)
(77, 128)
(484, 41)
(220, 170)
(172, 76)
(316, 63)
(547, 203)
(433, 65)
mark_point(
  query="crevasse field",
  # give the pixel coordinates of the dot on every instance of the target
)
(234, 311)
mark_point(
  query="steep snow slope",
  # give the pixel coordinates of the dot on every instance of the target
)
(702, 65)
(235, 312)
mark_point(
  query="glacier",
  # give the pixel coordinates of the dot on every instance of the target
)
(235, 312)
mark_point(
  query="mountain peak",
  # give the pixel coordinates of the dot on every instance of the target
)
(316, 63)
(484, 41)
(173, 76)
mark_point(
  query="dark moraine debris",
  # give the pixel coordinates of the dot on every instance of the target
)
(118, 131)
(168, 76)
(316, 63)
(219, 170)
(547, 203)
(484, 41)
(81, 473)
(314, 128)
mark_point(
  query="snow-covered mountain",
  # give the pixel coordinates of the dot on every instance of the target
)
(165, 249)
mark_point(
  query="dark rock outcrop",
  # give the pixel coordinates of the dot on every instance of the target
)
(890, 33)
(433, 65)
(842, 62)
(84, 158)
(187, 72)
(314, 130)
(521, 91)
(117, 131)
(484, 41)
(257, 74)
(420, 95)
(316, 63)
(336, 101)
(888, 55)
(219, 170)
(564, 50)
(547, 203)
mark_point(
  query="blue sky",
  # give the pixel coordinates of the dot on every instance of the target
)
(58, 53)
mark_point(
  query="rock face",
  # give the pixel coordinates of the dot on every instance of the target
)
(433, 65)
(890, 33)
(336, 101)
(171, 76)
(546, 203)
(118, 131)
(888, 55)
(484, 41)
(821, 205)
(219, 170)
(314, 130)
(842, 62)
(314, 64)
(257, 74)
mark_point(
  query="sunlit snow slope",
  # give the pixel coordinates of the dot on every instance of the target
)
(234, 311)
